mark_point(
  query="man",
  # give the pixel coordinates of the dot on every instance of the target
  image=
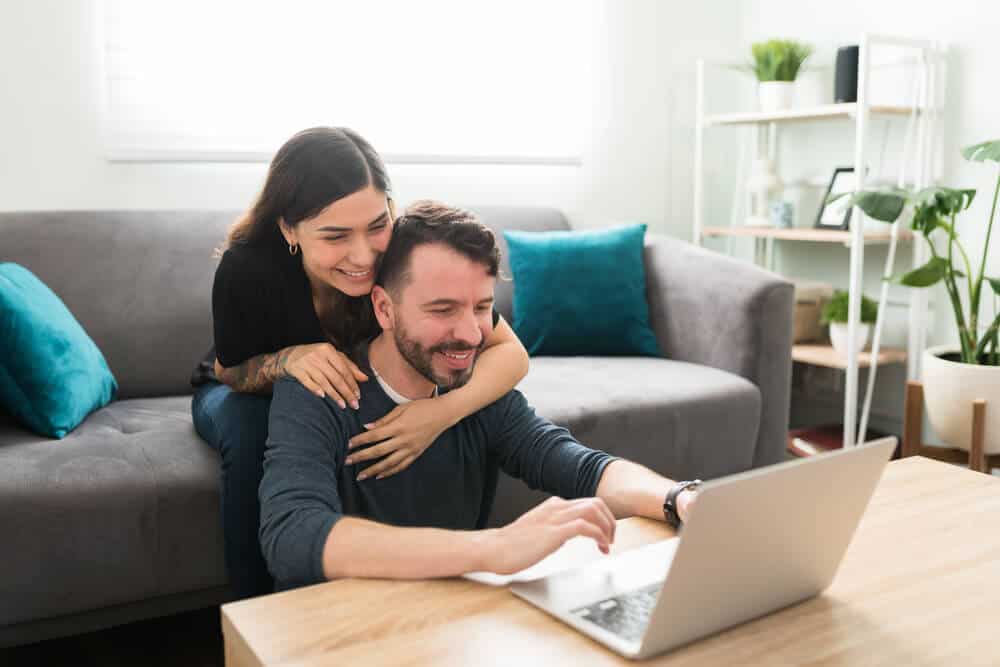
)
(320, 520)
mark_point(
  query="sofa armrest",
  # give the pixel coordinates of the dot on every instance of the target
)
(710, 309)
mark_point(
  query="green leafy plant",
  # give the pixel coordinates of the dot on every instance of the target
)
(778, 59)
(934, 214)
(835, 310)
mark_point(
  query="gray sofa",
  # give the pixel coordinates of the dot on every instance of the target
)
(119, 521)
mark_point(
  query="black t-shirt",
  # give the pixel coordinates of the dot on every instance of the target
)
(262, 303)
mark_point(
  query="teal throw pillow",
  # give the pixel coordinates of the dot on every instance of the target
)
(581, 292)
(51, 373)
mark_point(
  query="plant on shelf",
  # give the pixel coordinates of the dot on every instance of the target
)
(778, 59)
(835, 310)
(835, 313)
(953, 377)
(776, 64)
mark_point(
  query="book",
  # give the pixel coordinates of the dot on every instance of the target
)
(814, 440)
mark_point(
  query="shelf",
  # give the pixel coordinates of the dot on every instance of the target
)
(804, 234)
(826, 111)
(818, 354)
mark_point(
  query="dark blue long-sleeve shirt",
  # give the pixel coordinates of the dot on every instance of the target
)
(307, 488)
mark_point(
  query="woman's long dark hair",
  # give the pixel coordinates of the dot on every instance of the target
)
(313, 169)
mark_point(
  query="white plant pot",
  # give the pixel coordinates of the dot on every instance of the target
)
(775, 95)
(838, 336)
(950, 387)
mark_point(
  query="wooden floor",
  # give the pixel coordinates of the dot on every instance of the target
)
(191, 639)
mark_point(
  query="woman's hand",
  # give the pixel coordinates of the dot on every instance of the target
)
(403, 435)
(325, 371)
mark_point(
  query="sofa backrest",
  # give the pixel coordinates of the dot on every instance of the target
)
(529, 219)
(140, 282)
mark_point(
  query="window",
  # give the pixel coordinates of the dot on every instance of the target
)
(427, 81)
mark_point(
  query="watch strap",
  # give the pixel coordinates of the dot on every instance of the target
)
(670, 503)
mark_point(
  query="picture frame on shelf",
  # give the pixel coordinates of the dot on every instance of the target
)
(836, 214)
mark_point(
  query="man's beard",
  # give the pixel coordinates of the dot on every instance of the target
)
(421, 359)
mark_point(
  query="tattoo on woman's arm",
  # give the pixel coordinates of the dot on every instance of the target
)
(257, 374)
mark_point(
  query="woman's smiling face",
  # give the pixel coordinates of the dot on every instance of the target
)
(341, 245)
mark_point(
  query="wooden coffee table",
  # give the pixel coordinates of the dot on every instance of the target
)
(920, 585)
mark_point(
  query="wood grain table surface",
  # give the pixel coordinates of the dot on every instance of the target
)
(919, 585)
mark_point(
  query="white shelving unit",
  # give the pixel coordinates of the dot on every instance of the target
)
(924, 114)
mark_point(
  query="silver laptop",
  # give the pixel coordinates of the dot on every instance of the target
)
(755, 542)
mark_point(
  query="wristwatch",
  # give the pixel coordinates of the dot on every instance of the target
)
(670, 504)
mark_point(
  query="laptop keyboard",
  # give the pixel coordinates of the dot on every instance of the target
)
(625, 615)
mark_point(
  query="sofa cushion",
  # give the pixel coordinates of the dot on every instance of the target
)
(125, 508)
(51, 373)
(681, 419)
(581, 292)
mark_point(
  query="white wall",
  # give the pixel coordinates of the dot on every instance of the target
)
(637, 166)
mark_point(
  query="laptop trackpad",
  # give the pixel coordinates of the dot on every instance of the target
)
(601, 579)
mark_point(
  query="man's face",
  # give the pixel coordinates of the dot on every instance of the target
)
(444, 315)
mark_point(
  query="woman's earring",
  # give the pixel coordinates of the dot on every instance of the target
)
(293, 248)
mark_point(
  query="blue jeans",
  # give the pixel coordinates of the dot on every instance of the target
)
(235, 425)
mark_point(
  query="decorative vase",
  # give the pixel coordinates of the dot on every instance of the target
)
(838, 336)
(950, 387)
(775, 95)
(762, 185)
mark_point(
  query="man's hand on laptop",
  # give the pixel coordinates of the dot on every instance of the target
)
(538, 533)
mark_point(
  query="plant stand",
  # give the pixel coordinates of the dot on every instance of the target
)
(913, 437)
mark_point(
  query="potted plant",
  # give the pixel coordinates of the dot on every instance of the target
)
(835, 312)
(953, 375)
(776, 63)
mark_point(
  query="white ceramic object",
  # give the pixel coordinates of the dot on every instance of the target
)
(776, 95)
(838, 336)
(762, 186)
(813, 87)
(950, 387)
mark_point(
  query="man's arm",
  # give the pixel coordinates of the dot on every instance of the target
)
(547, 457)
(306, 538)
(360, 548)
(299, 495)
(539, 453)
(630, 489)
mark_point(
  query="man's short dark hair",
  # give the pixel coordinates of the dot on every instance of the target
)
(426, 222)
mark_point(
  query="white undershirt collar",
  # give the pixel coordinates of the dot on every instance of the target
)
(396, 397)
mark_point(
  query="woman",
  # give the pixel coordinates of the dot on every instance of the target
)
(291, 298)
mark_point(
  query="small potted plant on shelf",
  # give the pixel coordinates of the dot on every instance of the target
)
(776, 63)
(953, 375)
(835, 314)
